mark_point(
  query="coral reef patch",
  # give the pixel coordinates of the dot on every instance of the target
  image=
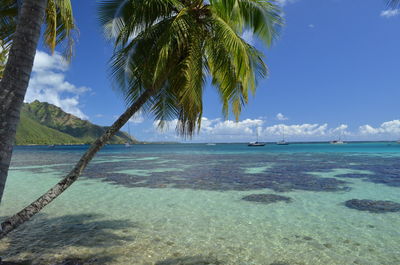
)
(373, 206)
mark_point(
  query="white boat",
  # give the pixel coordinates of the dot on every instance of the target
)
(282, 142)
(211, 144)
(337, 142)
(256, 143)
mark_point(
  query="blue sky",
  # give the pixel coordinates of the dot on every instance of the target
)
(333, 71)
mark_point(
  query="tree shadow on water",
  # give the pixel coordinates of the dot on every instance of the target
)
(45, 236)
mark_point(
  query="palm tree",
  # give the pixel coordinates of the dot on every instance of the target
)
(20, 31)
(164, 51)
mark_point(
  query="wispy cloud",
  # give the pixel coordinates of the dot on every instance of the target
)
(281, 117)
(48, 84)
(217, 127)
(301, 130)
(388, 127)
(341, 129)
(390, 13)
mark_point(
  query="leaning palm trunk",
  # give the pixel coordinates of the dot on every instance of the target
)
(13, 222)
(15, 79)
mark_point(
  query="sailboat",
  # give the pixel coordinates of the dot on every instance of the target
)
(256, 143)
(282, 142)
(338, 141)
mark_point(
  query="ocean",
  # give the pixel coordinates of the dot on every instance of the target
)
(170, 204)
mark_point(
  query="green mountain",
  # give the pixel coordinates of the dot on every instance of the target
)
(44, 123)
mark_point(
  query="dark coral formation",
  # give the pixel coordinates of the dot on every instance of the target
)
(266, 198)
(191, 167)
(373, 206)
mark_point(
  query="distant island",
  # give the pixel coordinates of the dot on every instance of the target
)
(42, 123)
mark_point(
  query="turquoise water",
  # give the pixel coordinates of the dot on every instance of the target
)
(182, 204)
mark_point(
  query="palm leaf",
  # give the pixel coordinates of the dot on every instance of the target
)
(59, 24)
(393, 3)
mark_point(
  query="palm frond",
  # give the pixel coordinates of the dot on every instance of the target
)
(191, 92)
(124, 19)
(64, 30)
(59, 24)
(8, 18)
(262, 17)
(3, 58)
(393, 3)
(234, 65)
(50, 33)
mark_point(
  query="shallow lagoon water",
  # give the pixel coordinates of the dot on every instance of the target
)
(181, 204)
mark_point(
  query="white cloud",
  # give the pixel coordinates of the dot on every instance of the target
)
(229, 128)
(340, 130)
(48, 84)
(281, 117)
(218, 130)
(311, 26)
(44, 62)
(245, 130)
(388, 127)
(368, 129)
(390, 13)
(299, 130)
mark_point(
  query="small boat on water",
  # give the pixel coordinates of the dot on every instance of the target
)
(338, 141)
(256, 143)
(282, 142)
(211, 144)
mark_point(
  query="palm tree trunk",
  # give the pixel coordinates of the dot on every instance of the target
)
(13, 222)
(16, 77)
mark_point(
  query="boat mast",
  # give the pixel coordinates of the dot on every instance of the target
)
(257, 133)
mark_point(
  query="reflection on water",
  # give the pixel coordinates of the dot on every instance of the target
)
(197, 204)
